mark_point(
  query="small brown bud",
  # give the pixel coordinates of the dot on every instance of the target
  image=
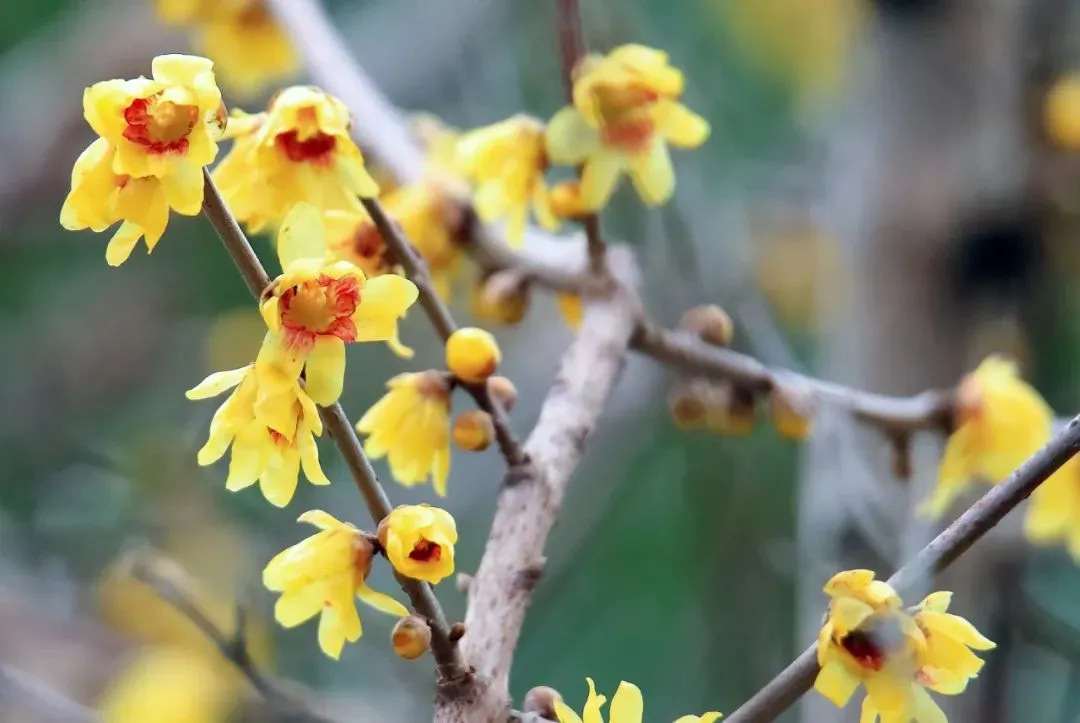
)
(457, 632)
(687, 403)
(503, 297)
(709, 322)
(473, 430)
(792, 411)
(411, 637)
(541, 701)
(504, 390)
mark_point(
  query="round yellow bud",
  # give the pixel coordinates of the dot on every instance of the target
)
(1061, 115)
(565, 200)
(473, 430)
(503, 390)
(792, 412)
(709, 322)
(411, 637)
(472, 354)
(687, 403)
(541, 701)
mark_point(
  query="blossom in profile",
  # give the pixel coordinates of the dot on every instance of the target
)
(298, 151)
(419, 541)
(506, 163)
(272, 436)
(323, 575)
(410, 426)
(627, 706)
(625, 114)
(317, 305)
(1053, 514)
(250, 50)
(951, 640)
(1001, 421)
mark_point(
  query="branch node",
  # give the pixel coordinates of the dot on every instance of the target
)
(457, 632)
(529, 577)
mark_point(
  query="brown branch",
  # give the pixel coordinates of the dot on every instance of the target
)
(789, 685)
(439, 316)
(341, 431)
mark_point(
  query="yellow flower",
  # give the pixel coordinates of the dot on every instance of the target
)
(625, 114)
(272, 436)
(1002, 421)
(166, 685)
(419, 541)
(627, 706)
(298, 151)
(317, 305)
(439, 141)
(430, 219)
(410, 426)
(1053, 515)
(949, 663)
(506, 161)
(166, 126)
(99, 197)
(249, 48)
(322, 574)
(1061, 114)
(351, 236)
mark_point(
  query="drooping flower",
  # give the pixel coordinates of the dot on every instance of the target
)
(168, 685)
(100, 197)
(317, 305)
(351, 236)
(1053, 515)
(322, 574)
(272, 435)
(166, 126)
(429, 218)
(1002, 421)
(506, 162)
(410, 426)
(419, 541)
(625, 113)
(249, 48)
(627, 706)
(299, 151)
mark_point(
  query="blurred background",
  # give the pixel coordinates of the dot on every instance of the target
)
(887, 196)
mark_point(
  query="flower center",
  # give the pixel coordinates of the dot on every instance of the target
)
(871, 646)
(323, 307)
(426, 551)
(162, 126)
(277, 437)
(630, 131)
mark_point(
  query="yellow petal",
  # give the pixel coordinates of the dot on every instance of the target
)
(599, 178)
(309, 459)
(280, 477)
(869, 711)
(298, 606)
(331, 633)
(122, 243)
(384, 300)
(680, 126)
(957, 628)
(652, 174)
(322, 520)
(381, 601)
(937, 601)
(564, 713)
(568, 138)
(836, 683)
(626, 705)
(593, 704)
(184, 189)
(326, 370)
(248, 457)
(888, 692)
(849, 613)
(277, 366)
(217, 383)
(926, 709)
(302, 235)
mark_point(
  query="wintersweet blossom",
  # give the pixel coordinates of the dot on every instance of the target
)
(317, 305)
(410, 426)
(272, 436)
(299, 150)
(322, 574)
(624, 116)
(419, 541)
(1001, 421)
(950, 640)
(506, 162)
(351, 236)
(1053, 515)
(627, 706)
(247, 45)
(430, 218)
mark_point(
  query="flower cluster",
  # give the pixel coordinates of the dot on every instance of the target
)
(627, 706)
(898, 655)
(155, 136)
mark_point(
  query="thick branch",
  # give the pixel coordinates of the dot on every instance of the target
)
(788, 686)
(341, 431)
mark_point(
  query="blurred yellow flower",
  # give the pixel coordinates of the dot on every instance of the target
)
(317, 305)
(569, 306)
(298, 151)
(166, 685)
(248, 47)
(506, 162)
(1053, 515)
(430, 219)
(419, 541)
(322, 574)
(410, 426)
(565, 201)
(625, 113)
(1061, 112)
(627, 706)
(272, 435)
(99, 197)
(439, 141)
(351, 236)
(1001, 420)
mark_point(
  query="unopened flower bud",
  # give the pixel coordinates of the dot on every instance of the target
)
(792, 411)
(411, 637)
(503, 297)
(686, 401)
(709, 322)
(541, 701)
(472, 354)
(504, 390)
(473, 430)
(565, 200)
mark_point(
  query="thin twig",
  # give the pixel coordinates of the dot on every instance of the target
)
(341, 431)
(789, 685)
(439, 316)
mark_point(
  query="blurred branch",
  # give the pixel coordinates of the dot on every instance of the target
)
(789, 685)
(19, 686)
(341, 431)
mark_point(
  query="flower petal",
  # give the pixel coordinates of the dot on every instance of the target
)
(384, 300)
(297, 606)
(217, 383)
(836, 683)
(652, 174)
(569, 139)
(322, 520)
(626, 705)
(381, 601)
(599, 177)
(326, 370)
(302, 235)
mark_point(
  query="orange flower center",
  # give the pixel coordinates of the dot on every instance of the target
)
(161, 126)
(323, 307)
(426, 551)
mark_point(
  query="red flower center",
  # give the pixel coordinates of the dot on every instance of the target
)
(426, 551)
(317, 149)
(864, 649)
(632, 132)
(161, 126)
(323, 307)
(277, 437)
